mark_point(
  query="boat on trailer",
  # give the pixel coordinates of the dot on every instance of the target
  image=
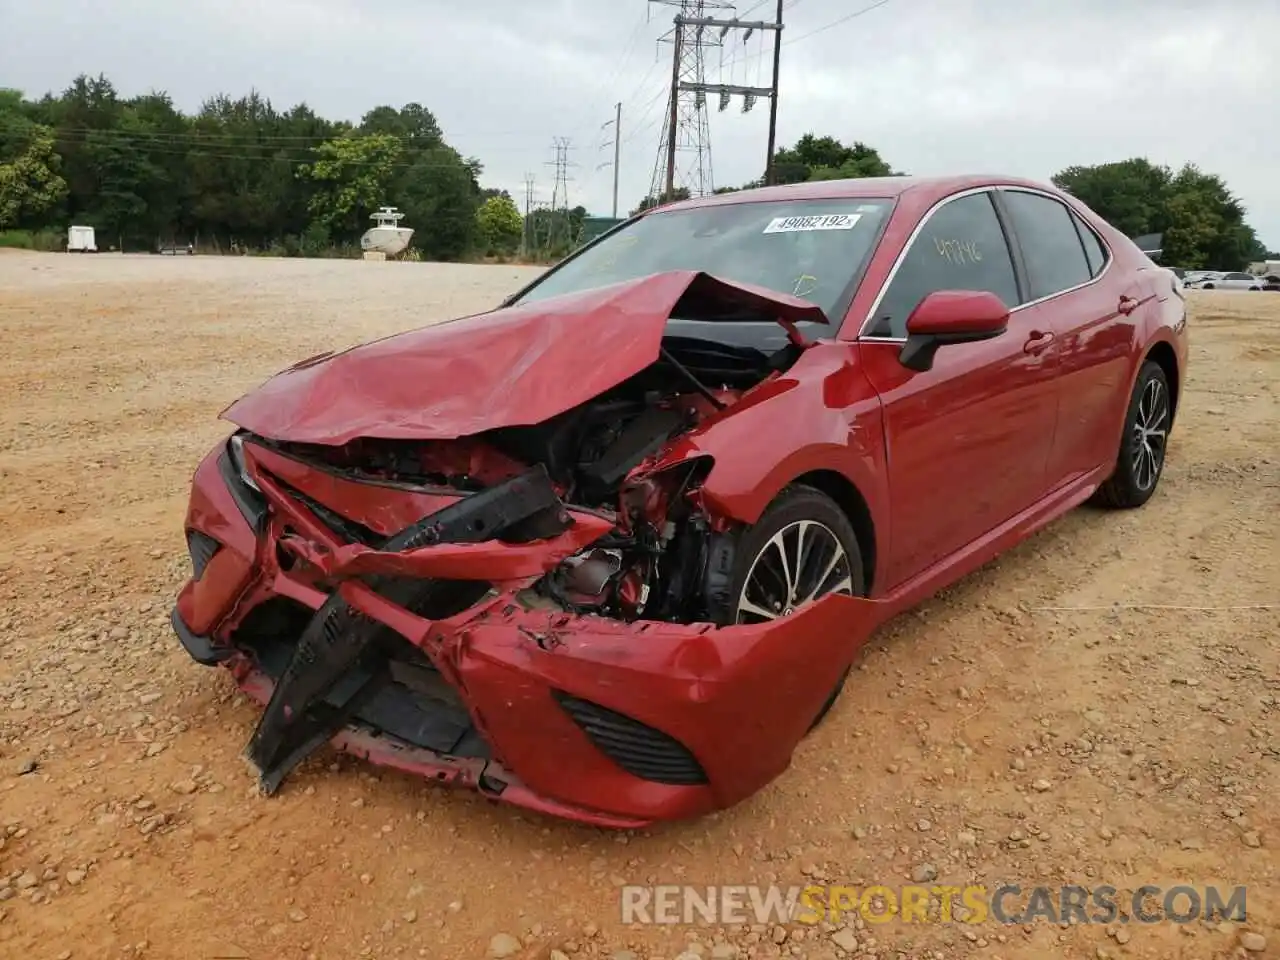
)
(386, 236)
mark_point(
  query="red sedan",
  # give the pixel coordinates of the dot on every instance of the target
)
(609, 550)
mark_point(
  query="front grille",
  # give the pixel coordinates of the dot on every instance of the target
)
(638, 749)
(201, 547)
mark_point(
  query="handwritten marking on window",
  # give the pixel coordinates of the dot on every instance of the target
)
(805, 285)
(959, 252)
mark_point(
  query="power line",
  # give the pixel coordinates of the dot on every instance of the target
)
(176, 150)
(645, 124)
(836, 23)
(254, 138)
(813, 33)
(621, 64)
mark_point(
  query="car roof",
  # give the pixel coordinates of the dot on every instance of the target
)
(933, 188)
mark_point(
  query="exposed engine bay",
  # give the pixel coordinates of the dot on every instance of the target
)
(666, 558)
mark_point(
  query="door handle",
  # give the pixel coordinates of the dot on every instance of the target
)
(1037, 341)
(1128, 305)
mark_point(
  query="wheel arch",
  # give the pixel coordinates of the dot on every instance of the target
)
(1166, 358)
(846, 495)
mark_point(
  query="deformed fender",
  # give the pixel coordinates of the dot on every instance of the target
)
(778, 432)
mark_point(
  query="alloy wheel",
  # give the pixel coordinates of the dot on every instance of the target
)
(1150, 431)
(801, 563)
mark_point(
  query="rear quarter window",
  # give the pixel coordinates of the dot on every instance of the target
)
(1094, 249)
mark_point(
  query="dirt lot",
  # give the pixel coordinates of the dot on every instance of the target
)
(1038, 724)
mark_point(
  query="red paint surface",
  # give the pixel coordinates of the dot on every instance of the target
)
(958, 311)
(511, 367)
(951, 466)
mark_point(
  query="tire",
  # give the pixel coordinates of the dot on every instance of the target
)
(796, 505)
(1140, 462)
(1206, 286)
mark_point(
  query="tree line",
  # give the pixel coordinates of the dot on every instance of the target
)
(237, 174)
(242, 175)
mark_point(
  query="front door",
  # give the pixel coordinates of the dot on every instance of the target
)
(967, 442)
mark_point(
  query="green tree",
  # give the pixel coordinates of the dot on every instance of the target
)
(826, 158)
(31, 186)
(355, 174)
(413, 123)
(651, 201)
(439, 193)
(1202, 221)
(499, 225)
(812, 158)
(239, 173)
(1130, 194)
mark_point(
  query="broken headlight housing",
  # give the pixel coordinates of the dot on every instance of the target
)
(235, 450)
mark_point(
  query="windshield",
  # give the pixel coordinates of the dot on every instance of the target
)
(815, 249)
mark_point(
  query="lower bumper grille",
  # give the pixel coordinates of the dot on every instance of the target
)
(638, 749)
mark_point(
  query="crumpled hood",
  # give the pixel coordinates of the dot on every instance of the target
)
(510, 367)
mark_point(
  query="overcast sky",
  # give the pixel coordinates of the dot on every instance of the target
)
(1023, 87)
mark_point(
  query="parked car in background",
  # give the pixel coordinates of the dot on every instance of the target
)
(609, 551)
(1271, 282)
(1229, 281)
(1193, 278)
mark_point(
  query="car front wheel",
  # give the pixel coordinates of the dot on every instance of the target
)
(802, 549)
(1142, 447)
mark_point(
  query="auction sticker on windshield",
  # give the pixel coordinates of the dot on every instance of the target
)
(829, 221)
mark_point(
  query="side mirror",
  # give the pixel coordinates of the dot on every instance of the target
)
(951, 316)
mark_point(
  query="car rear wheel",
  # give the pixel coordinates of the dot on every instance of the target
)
(802, 549)
(1142, 447)
(1206, 286)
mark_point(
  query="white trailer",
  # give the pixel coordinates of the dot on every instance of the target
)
(81, 240)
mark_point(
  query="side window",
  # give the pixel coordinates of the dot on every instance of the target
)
(1093, 248)
(1051, 247)
(961, 247)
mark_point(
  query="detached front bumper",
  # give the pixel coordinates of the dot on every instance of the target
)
(617, 724)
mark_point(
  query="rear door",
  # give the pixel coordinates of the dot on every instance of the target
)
(967, 440)
(1077, 291)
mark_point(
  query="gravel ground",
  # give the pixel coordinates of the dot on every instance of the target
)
(1035, 724)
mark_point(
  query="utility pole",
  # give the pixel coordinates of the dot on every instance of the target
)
(616, 123)
(560, 192)
(674, 115)
(773, 98)
(617, 155)
(687, 124)
(528, 212)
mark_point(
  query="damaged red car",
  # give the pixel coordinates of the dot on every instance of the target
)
(609, 550)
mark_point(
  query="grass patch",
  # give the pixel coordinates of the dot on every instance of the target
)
(47, 241)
